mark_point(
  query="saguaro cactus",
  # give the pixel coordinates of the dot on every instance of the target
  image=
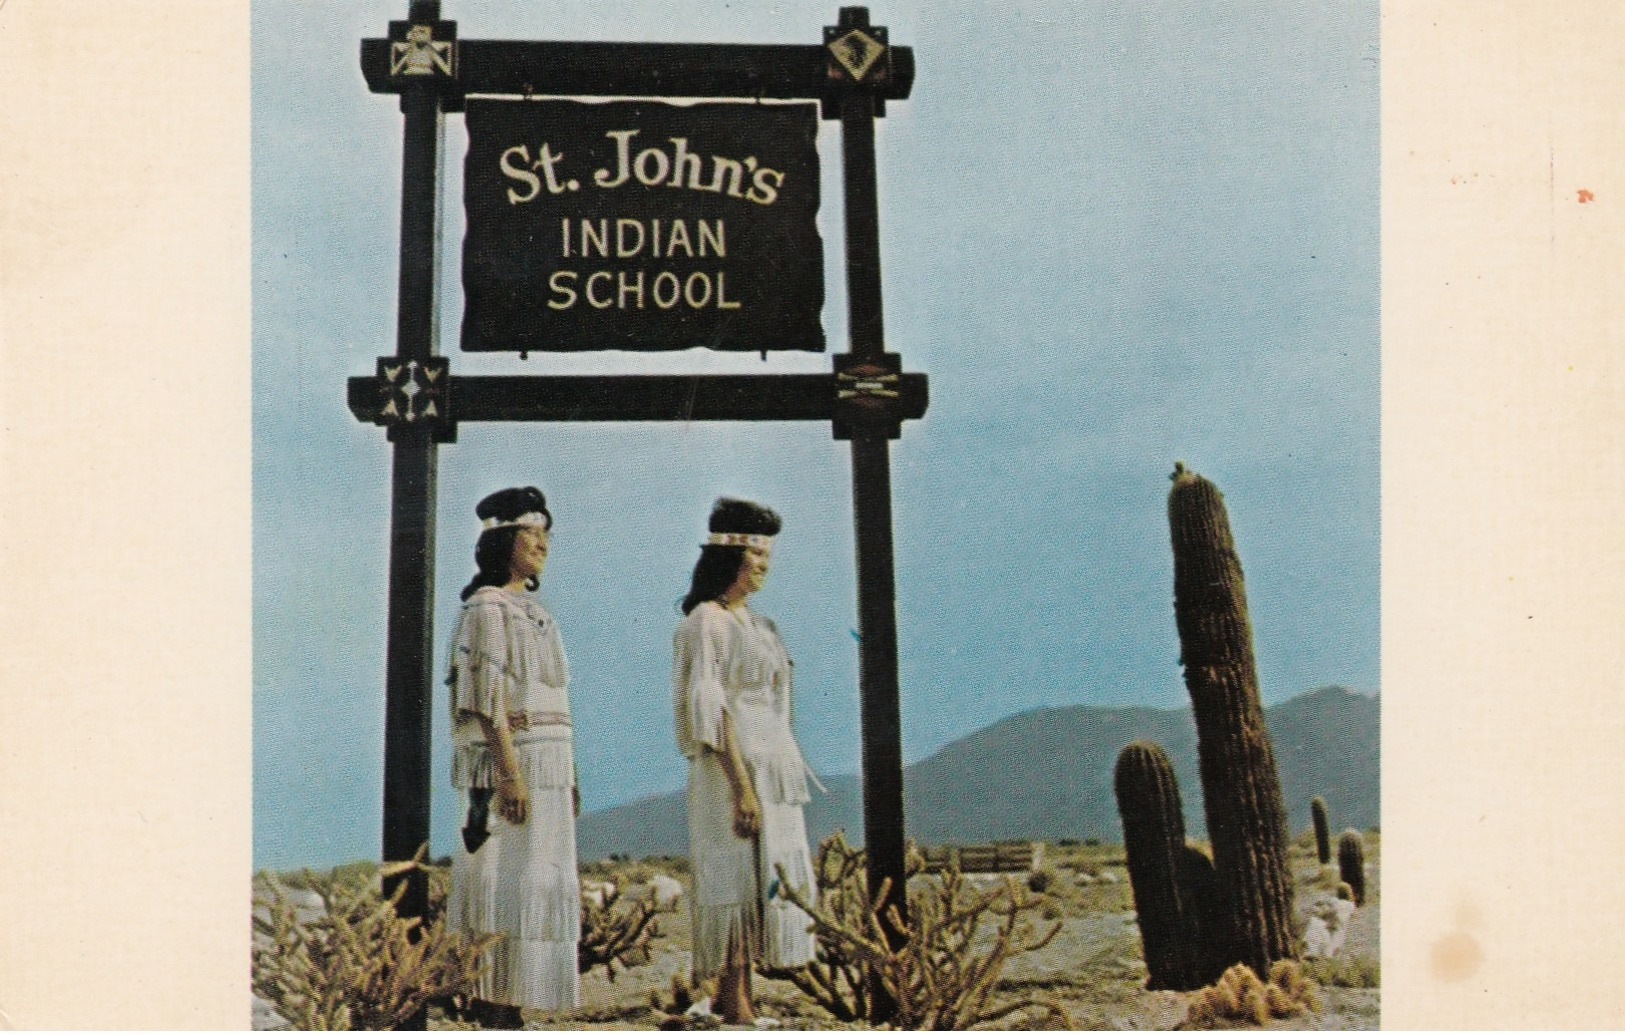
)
(1154, 843)
(1351, 863)
(1205, 917)
(1240, 788)
(1323, 829)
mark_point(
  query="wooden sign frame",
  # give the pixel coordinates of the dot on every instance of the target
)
(414, 395)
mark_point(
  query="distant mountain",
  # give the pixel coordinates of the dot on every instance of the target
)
(1047, 774)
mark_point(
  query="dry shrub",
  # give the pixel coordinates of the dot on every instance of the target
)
(618, 934)
(675, 865)
(1325, 879)
(1346, 971)
(940, 979)
(357, 965)
(1239, 995)
(635, 873)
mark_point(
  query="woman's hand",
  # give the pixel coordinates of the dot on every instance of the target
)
(513, 800)
(747, 809)
(747, 814)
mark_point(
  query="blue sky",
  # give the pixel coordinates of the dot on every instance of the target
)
(1113, 235)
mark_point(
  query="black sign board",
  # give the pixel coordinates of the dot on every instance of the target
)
(641, 225)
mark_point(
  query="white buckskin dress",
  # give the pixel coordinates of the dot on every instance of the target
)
(507, 663)
(733, 661)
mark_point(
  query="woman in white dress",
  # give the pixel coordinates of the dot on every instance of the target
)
(515, 873)
(747, 781)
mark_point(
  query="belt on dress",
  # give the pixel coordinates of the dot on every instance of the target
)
(527, 720)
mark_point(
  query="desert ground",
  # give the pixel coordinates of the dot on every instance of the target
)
(1092, 969)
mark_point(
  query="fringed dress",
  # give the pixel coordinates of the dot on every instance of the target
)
(733, 661)
(507, 663)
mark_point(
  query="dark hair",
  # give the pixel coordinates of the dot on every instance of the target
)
(508, 504)
(714, 572)
(718, 566)
(493, 554)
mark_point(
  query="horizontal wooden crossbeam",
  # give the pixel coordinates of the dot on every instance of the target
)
(643, 398)
(509, 67)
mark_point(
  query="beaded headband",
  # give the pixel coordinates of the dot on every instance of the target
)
(533, 517)
(738, 539)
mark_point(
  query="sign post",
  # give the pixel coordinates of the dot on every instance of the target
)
(407, 695)
(861, 59)
(642, 226)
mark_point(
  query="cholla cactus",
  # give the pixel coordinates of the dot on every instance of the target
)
(1351, 864)
(1323, 830)
(835, 978)
(943, 977)
(614, 934)
(1241, 790)
(357, 964)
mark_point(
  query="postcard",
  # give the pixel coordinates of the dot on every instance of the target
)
(1120, 427)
